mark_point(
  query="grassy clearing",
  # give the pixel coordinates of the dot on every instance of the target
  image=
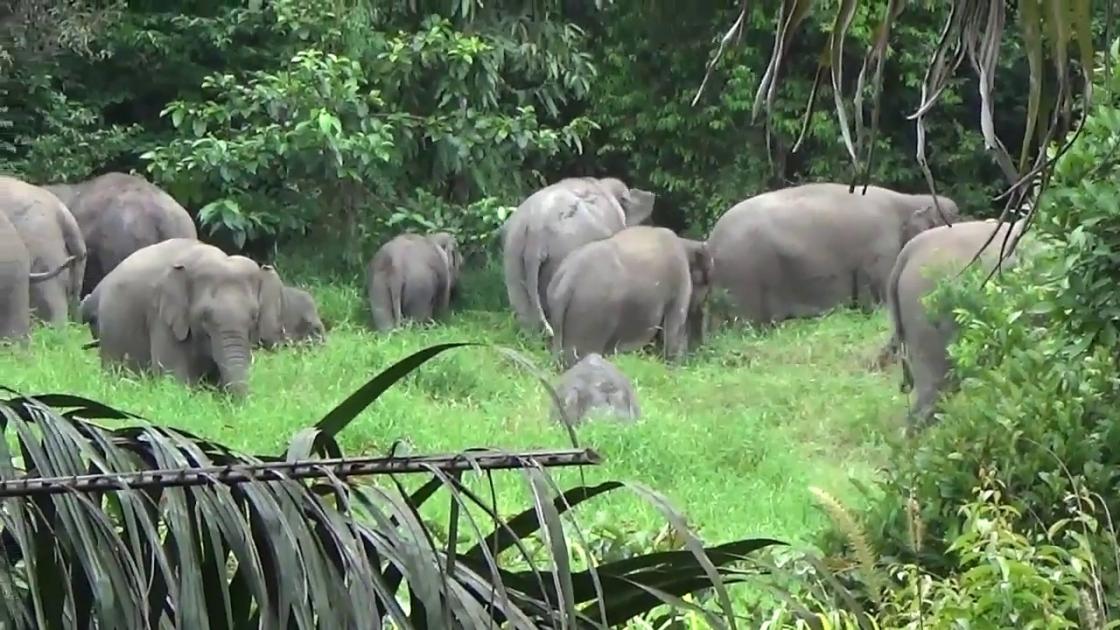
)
(733, 438)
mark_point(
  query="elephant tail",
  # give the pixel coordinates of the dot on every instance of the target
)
(560, 296)
(36, 277)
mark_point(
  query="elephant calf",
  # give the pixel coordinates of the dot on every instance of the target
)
(619, 293)
(185, 308)
(412, 276)
(591, 385)
(300, 317)
(922, 337)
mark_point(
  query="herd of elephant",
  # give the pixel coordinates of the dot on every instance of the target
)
(123, 256)
(581, 269)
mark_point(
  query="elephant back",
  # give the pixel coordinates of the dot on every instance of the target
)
(120, 194)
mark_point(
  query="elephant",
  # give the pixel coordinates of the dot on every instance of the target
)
(804, 250)
(616, 294)
(120, 213)
(923, 337)
(592, 385)
(16, 279)
(300, 317)
(52, 238)
(185, 308)
(413, 276)
(552, 223)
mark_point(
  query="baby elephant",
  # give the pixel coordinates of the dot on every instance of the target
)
(413, 276)
(595, 384)
(620, 293)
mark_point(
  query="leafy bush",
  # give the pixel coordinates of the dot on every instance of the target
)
(1004, 577)
(145, 526)
(340, 135)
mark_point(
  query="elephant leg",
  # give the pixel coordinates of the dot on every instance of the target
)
(674, 330)
(170, 356)
(384, 302)
(928, 368)
(49, 302)
(417, 302)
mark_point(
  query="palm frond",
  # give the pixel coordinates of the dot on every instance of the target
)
(145, 526)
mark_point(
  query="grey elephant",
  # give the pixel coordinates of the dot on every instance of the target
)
(52, 238)
(120, 213)
(555, 221)
(622, 292)
(922, 337)
(185, 308)
(804, 250)
(300, 317)
(16, 279)
(413, 276)
(594, 385)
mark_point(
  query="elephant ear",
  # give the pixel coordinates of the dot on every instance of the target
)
(270, 295)
(638, 205)
(923, 219)
(173, 301)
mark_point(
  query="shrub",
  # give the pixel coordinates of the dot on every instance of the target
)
(1005, 577)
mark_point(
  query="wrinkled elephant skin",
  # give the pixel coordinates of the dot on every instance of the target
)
(623, 292)
(119, 214)
(802, 251)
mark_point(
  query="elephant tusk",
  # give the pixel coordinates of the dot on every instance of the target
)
(548, 329)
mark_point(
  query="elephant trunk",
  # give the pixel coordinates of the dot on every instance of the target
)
(232, 354)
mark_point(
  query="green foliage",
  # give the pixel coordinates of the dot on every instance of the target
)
(275, 550)
(343, 133)
(709, 156)
(1036, 358)
(1004, 578)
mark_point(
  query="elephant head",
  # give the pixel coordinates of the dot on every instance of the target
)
(636, 203)
(928, 216)
(700, 267)
(449, 245)
(217, 307)
(301, 317)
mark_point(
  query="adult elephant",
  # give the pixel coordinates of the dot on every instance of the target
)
(552, 223)
(185, 308)
(923, 337)
(53, 240)
(16, 278)
(803, 250)
(622, 292)
(120, 213)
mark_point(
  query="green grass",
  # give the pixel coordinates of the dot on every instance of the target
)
(734, 437)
